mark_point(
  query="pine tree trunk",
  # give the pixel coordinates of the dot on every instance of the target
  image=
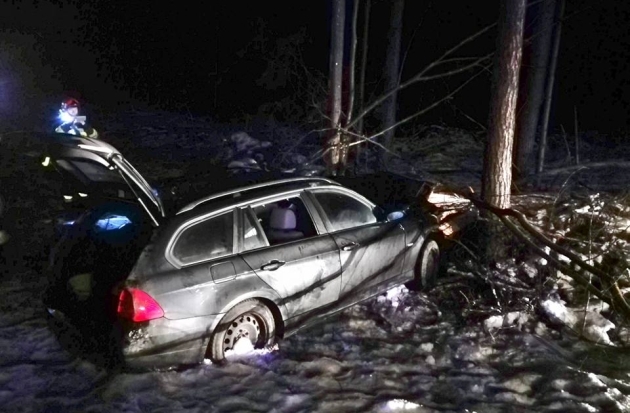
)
(537, 73)
(497, 174)
(351, 85)
(353, 59)
(392, 73)
(549, 92)
(361, 87)
(335, 84)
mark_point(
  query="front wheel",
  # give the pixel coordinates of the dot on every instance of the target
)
(250, 320)
(427, 267)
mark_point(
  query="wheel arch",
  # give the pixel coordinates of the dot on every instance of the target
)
(277, 316)
(270, 300)
(278, 325)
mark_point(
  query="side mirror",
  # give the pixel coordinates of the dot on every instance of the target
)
(390, 213)
(379, 213)
(395, 216)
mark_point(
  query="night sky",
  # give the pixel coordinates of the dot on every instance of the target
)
(214, 58)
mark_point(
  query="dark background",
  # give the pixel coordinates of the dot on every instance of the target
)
(228, 59)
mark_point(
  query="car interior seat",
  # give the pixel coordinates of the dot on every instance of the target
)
(282, 226)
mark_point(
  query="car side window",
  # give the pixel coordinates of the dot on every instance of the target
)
(205, 240)
(343, 211)
(285, 220)
(252, 237)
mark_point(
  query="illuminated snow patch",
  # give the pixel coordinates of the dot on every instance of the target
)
(401, 404)
(246, 348)
(242, 347)
(442, 198)
(522, 383)
(591, 325)
(595, 380)
(394, 295)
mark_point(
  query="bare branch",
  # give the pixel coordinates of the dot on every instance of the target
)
(421, 75)
(362, 138)
(477, 62)
(460, 44)
(433, 105)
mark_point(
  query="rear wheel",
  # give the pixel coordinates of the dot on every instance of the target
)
(427, 267)
(250, 320)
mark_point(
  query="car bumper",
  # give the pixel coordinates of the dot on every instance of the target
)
(165, 343)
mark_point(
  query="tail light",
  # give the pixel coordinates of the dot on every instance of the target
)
(136, 305)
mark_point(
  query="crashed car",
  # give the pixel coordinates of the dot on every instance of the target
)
(252, 264)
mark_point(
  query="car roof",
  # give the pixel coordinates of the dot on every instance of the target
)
(255, 191)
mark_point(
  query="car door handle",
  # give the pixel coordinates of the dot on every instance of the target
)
(272, 265)
(350, 246)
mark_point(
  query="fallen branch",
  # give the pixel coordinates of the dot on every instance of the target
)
(615, 163)
(615, 299)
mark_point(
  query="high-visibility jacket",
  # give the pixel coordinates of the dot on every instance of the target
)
(77, 129)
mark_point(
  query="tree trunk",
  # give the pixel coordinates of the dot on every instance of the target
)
(335, 84)
(361, 86)
(353, 59)
(351, 85)
(392, 73)
(550, 84)
(497, 174)
(537, 73)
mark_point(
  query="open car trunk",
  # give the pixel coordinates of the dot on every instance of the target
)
(94, 254)
(93, 257)
(97, 250)
(100, 171)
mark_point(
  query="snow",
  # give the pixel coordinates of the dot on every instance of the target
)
(590, 323)
(398, 352)
(360, 360)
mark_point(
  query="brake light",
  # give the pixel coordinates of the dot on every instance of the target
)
(138, 306)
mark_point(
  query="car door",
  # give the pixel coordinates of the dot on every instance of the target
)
(371, 250)
(101, 168)
(302, 265)
(204, 259)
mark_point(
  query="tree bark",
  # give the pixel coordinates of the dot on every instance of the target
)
(392, 74)
(528, 123)
(497, 174)
(550, 84)
(347, 139)
(364, 54)
(335, 84)
(353, 60)
(361, 86)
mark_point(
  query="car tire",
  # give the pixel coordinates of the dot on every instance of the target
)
(427, 267)
(250, 319)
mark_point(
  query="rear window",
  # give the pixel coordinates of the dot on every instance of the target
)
(94, 171)
(206, 240)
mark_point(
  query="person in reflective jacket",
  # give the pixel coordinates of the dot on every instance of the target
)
(71, 123)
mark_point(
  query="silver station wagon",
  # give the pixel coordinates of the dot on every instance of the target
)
(254, 263)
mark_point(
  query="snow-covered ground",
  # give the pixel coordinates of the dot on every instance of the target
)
(396, 353)
(400, 352)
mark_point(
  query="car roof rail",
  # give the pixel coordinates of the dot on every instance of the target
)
(239, 191)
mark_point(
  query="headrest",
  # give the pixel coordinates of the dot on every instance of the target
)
(282, 219)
